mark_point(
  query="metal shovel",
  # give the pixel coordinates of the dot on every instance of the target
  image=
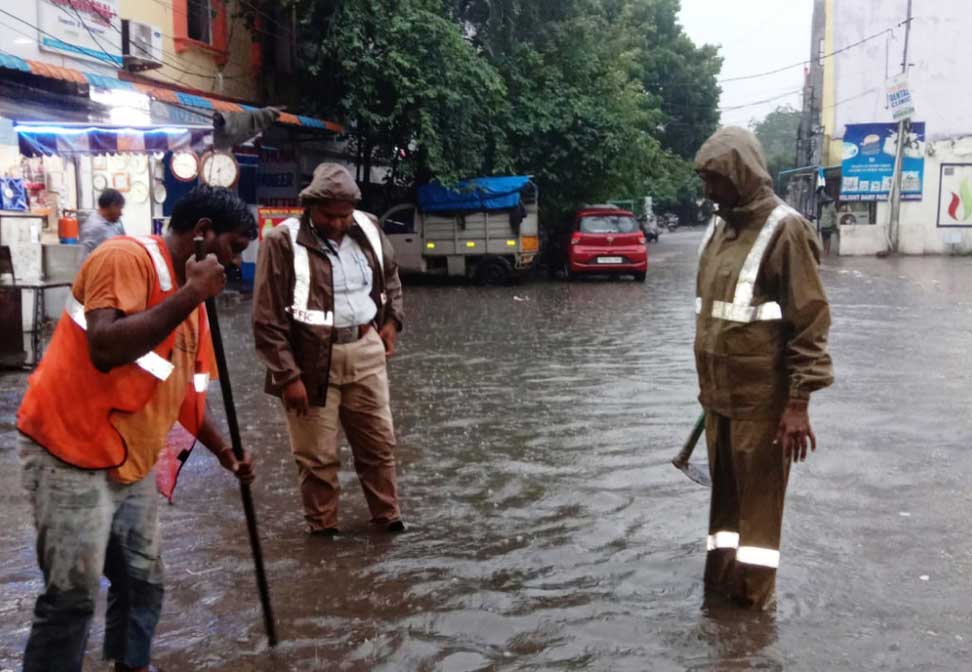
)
(681, 461)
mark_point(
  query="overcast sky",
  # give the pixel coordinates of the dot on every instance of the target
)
(754, 36)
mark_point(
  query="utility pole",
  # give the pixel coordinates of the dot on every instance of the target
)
(904, 126)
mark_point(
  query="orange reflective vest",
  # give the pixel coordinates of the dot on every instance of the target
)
(69, 402)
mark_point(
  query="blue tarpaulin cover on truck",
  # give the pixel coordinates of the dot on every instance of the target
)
(481, 193)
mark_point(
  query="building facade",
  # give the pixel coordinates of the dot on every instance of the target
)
(848, 129)
(124, 94)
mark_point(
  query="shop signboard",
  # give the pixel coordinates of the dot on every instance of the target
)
(955, 195)
(85, 29)
(268, 218)
(899, 98)
(867, 170)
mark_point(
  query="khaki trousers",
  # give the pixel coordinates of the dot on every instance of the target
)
(357, 401)
(749, 478)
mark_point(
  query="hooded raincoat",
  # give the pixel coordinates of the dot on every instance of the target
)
(761, 340)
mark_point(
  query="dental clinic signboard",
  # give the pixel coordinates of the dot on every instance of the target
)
(867, 170)
(89, 30)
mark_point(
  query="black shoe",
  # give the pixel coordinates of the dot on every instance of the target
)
(327, 532)
(396, 527)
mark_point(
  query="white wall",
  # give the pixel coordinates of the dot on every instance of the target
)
(940, 52)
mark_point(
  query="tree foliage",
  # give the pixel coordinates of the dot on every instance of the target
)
(596, 99)
(778, 135)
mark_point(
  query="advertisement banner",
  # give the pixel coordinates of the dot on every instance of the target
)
(85, 29)
(867, 170)
(955, 195)
(268, 218)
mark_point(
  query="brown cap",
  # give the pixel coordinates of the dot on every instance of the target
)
(332, 182)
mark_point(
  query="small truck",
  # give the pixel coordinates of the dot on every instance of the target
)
(486, 229)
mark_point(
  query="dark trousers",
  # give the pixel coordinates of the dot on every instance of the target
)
(749, 478)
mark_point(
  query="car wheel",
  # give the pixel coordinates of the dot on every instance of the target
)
(494, 271)
(640, 277)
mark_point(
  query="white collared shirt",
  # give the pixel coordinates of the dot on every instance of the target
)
(353, 279)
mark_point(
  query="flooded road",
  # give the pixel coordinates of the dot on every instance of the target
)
(548, 528)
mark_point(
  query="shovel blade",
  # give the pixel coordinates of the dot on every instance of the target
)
(695, 473)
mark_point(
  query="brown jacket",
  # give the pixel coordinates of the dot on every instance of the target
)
(750, 362)
(291, 349)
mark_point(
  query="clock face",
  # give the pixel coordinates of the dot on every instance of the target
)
(159, 193)
(220, 169)
(139, 192)
(185, 166)
(99, 182)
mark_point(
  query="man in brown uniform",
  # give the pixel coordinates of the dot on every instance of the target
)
(327, 309)
(760, 350)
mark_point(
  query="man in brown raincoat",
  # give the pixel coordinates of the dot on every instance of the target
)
(327, 309)
(760, 350)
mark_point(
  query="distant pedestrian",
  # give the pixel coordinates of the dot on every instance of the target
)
(327, 309)
(103, 223)
(828, 221)
(760, 350)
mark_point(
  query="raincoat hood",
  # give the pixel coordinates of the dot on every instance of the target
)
(331, 182)
(737, 155)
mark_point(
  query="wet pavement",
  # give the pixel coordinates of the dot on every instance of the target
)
(548, 529)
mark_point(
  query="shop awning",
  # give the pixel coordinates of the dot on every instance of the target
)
(160, 93)
(74, 139)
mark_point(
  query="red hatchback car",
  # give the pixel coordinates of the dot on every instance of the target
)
(606, 239)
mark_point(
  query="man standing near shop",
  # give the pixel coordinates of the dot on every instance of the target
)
(760, 350)
(327, 309)
(103, 223)
(828, 221)
(130, 357)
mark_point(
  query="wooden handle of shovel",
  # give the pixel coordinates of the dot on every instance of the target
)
(682, 459)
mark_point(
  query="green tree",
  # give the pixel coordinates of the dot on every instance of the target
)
(596, 99)
(778, 134)
(414, 92)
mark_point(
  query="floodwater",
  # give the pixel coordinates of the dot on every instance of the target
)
(548, 530)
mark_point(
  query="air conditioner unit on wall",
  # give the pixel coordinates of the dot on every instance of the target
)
(141, 46)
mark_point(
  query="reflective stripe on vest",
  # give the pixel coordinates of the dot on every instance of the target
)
(161, 268)
(302, 282)
(741, 308)
(152, 362)
(373, 236)
(200, 382)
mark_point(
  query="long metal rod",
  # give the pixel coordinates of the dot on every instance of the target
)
(237, 445)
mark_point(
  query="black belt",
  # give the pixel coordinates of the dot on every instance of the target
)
(344, 335)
